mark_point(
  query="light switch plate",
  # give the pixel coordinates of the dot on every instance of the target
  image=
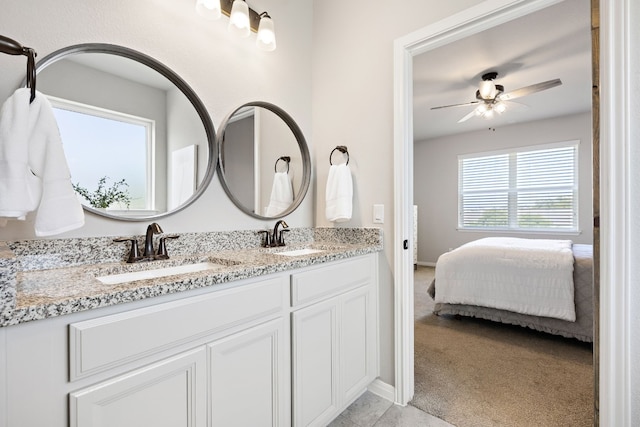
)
(378, 214)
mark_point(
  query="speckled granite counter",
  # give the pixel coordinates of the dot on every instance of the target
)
(47, 278)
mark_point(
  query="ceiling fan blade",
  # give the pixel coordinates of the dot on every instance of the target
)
(468, 116)
(528, 90)
(516, 104)
(466, 104)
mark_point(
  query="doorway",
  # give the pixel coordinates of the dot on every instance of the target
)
(614, 366)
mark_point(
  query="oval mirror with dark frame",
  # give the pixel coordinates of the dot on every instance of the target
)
(139, 142)
(264, 164)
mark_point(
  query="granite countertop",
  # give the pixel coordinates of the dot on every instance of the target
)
(46, 286)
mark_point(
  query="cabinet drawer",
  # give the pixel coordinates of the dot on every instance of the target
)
(330, 280)
(100, 344)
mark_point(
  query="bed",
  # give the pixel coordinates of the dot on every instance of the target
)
(546, 285)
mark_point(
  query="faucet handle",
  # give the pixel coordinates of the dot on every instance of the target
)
(134, 253)
(267, 238)
(162, 247)
(281, 236)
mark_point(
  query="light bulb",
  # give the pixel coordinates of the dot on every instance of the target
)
(208, 9)
(239, 19)
(266, 39)
(500, 107)
(488, 89)
(481, 109)
(488, 114)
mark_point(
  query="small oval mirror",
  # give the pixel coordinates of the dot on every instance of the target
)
(264, 163)
(138, 140)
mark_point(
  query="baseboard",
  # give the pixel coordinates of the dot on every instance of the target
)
(382, 389)
(426, 264)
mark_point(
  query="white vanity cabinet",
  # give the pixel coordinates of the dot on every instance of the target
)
(236, 374)
(334, 338)
(287, 349)
(239, 380)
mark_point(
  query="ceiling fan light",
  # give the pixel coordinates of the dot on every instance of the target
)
(500, 107)
(488, 114)
(488, 89)
(481, 109)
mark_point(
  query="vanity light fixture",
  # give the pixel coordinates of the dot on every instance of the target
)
(266, 38)
(242, 20)
(239, 22)
(209, 9)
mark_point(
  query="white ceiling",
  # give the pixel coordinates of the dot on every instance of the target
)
(552, 43)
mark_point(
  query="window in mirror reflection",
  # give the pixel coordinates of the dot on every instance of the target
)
(102, 143)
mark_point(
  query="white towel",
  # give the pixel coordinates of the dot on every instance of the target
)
(281, 194)
(339, 193)
(33, 170)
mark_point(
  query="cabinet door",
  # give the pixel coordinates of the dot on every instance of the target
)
(249, 378)
(358, 355)
(315, 364)
(170, 393)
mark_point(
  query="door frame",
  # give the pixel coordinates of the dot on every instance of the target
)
(614, 357)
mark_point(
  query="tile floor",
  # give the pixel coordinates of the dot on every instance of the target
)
(371, 410)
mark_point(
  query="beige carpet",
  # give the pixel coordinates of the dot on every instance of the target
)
(476, 373)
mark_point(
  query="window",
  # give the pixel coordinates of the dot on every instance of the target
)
(526, 189)
(104, 143)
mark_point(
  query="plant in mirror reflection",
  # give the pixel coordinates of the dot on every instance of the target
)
(104, 196)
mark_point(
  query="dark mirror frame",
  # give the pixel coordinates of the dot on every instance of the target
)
(304, 151)
(173, 78)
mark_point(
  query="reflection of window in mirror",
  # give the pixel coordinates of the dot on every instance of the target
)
(104, 143)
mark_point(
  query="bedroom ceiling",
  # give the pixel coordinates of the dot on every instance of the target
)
(552, 43)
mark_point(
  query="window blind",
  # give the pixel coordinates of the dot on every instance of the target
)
(530, 188)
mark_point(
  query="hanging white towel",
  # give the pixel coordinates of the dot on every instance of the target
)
(33, 169)
(339, 193)
(281, 194)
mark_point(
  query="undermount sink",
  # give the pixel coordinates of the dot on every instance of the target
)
(132, 276)
(299, 252)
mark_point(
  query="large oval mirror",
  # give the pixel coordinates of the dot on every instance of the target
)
(138, 140)
(264, 165)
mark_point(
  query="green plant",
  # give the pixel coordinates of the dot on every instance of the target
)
(104, 196)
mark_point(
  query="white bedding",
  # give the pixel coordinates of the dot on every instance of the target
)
(529, 276)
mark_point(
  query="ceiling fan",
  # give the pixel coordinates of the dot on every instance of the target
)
(492, 99)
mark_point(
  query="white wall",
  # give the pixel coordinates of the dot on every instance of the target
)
(634, 179)
(224, 71)
(436, 179)
(353, 106)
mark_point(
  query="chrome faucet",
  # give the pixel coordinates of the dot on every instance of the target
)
(277, 239)
(153, 228)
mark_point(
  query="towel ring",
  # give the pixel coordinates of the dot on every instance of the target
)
(12, 47)
(285, 159)
(343, 150)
